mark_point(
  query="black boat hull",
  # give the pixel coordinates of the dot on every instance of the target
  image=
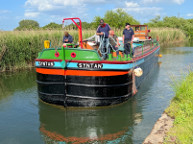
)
(84, 91)
(92, 91)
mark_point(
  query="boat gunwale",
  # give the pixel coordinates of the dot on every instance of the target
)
(103, 61)
(117, 62)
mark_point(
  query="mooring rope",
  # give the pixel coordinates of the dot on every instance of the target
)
(101, 46)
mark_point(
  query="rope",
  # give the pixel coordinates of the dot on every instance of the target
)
(101, 46)
(134, 88)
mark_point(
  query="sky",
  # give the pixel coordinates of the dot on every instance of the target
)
(46, 11)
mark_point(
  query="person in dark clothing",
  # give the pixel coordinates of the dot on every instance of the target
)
(103, 32)
(128, 36)
(113, 40)
(67, 38)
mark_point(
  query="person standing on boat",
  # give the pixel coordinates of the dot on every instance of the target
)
(67, 38)
(128, 36)
(103, 32)
(114, 41)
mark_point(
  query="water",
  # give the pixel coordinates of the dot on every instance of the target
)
(26, 119)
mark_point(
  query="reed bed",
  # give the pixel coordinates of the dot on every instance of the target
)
(18, 49)
(168, 35)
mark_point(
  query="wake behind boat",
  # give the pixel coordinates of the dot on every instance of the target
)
(77, 75)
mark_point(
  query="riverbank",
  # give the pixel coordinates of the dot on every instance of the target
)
(18, 49)
(181, 108)
(160, 129)
(175, 125)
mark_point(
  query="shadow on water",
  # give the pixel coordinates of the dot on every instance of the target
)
(103, 125)
(169, 48)
(19, 81)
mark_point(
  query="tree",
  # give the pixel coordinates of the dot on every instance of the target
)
(156, 19)
(118, 18)
(52, 25)
(174, 22)
(96, 22)
(28, 25)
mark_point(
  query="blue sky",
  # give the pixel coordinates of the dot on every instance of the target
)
(46, 11)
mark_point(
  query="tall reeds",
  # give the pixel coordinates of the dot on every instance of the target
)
(168, 35)
(18, 49)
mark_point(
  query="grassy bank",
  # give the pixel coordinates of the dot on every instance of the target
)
(181, 108)
(18, 49)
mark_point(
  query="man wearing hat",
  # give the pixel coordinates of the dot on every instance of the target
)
(128, 36)
(103, 32)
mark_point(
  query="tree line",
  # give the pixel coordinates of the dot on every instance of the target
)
(173, 22)
(115, 19)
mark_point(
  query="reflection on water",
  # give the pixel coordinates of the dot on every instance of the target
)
(11, 82)
(26, 119)
(87, 125)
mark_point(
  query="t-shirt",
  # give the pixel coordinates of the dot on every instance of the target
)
(113, 40)
(128, 34)
(69, 37)
(104, 29)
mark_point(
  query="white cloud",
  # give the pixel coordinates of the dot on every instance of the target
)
(178, 1)
(53, 10)
(156, 1)
(138, 9)
(190, 15)
(151, 1)
(131, 4)
(29, 14)
(48, 5)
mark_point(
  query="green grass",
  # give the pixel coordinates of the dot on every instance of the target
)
(181, 108)
(22, 46)
(168, 35)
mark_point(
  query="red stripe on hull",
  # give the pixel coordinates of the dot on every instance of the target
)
(50, 60)
(80, 72)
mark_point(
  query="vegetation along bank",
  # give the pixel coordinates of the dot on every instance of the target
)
(181, 109)
(175, 124)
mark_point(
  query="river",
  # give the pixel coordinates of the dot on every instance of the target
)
(24, 119)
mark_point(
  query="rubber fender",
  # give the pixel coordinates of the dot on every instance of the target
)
(138, 72)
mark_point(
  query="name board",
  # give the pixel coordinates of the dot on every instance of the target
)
(90, 65)
(46, 63)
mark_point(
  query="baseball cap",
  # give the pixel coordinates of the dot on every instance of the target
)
(127, 24)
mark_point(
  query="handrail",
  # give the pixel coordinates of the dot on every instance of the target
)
(78, 26)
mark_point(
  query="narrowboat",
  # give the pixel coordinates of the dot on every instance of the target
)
(75, 75)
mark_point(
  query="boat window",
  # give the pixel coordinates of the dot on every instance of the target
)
(142, 28)
(136, 28)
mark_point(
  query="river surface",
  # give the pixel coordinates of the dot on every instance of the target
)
(24, 119)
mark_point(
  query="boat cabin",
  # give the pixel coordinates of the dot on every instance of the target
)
(140, 32)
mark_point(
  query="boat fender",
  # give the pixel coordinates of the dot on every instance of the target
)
(57, 54)
(73, 55)
(138, 72)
